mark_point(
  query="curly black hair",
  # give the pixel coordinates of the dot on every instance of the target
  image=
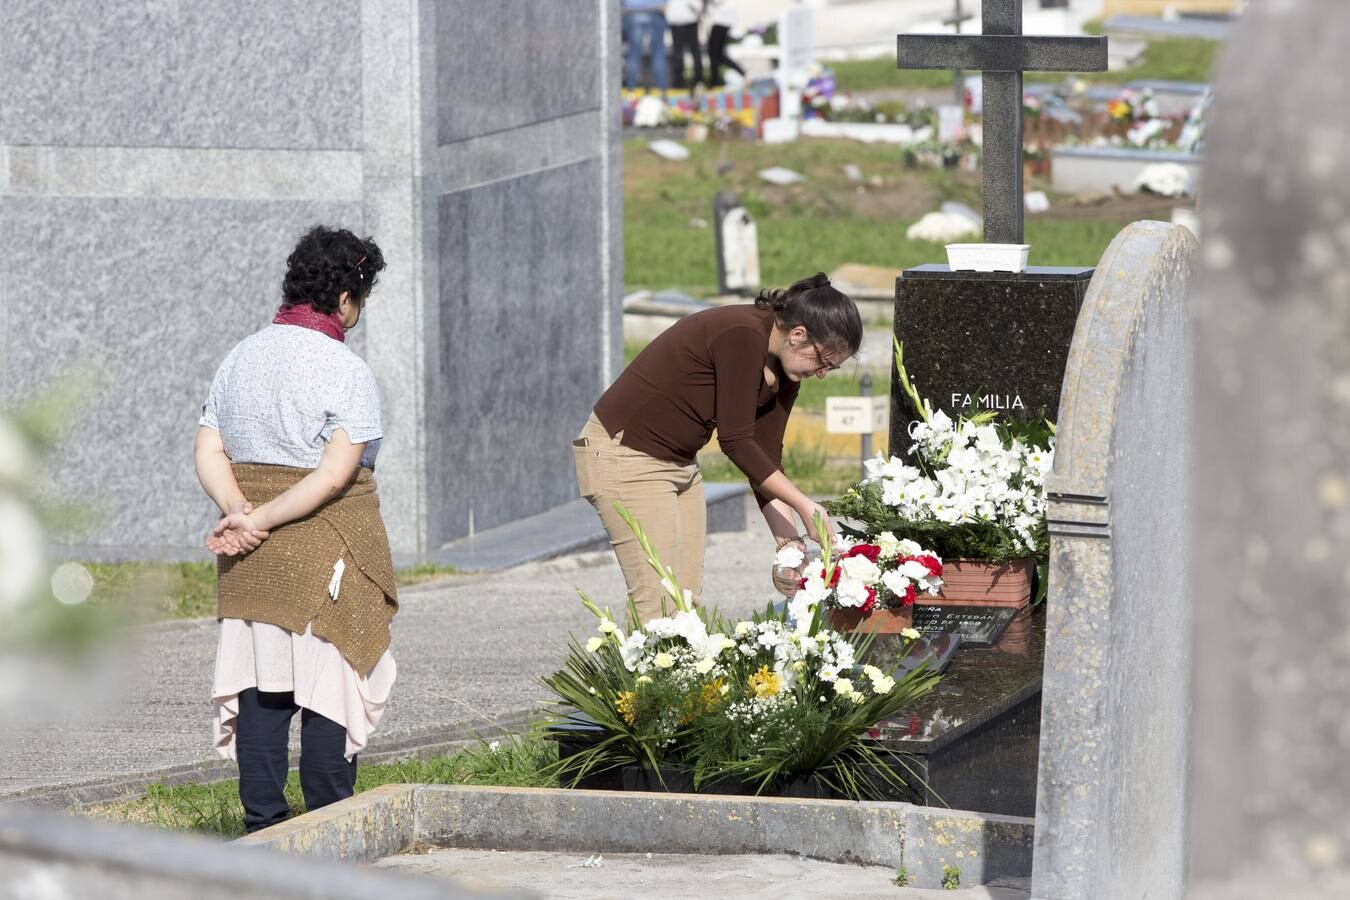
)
(327, 262)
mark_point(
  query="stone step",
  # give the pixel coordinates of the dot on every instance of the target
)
(570, 528)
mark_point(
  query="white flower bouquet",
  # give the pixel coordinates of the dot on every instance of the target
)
(884, 572)
(971, 488)
(755, 704)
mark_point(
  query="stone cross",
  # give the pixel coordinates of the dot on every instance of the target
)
(1002, 53)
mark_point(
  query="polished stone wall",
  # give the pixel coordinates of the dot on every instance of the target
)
(158, 160)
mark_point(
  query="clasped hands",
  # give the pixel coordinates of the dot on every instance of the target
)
(236, 533)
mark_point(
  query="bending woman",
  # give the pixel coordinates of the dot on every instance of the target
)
(286, 448)
(736, 369)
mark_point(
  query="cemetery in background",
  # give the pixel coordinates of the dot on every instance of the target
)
(854, 167)
(1101, 745)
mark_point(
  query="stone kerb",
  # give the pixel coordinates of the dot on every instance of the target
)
(49, 854)
(387, 820)
(1112, 787)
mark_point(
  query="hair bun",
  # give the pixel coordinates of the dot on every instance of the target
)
(819, 280)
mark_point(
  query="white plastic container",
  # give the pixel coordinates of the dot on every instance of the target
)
(987, 257)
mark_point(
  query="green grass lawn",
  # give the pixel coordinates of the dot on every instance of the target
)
(214, 808)
(156, 592)
(817, 225)
(1168, 59)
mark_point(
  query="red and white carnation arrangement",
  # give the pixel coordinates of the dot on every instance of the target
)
(876, 572)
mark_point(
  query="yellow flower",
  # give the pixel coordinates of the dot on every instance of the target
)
(765, 683)
(712, 692)
(594, 644)
(644, 679)
(626, 704)
(910, 634)
(703, 666)
(663, 660)
(607, 626)
(706, 699)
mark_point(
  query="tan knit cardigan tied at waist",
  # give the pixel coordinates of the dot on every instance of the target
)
(285, 581)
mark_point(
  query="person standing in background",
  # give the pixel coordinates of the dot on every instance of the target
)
(721, 16)
(286, 447)
(644, 24)
(682, 16)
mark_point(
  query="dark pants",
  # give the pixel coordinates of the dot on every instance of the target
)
(717, 55)
(684, 40)
(262, 743)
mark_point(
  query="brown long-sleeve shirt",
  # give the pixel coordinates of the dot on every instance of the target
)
(704, 372)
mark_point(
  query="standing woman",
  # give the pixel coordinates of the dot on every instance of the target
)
(721, 16)
(286, 448)
(682, 16)
(736, 369)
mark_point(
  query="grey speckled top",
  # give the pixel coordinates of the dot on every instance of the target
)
(281, 392)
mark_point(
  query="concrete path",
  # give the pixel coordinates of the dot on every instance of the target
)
(560, 876)
(470, 652)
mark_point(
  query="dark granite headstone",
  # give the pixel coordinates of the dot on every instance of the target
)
(985, 340)
(978, 626)
(974, 740)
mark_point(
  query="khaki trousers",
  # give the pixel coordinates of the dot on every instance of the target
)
(666, 499)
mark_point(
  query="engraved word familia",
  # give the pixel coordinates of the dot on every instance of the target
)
(987, 401)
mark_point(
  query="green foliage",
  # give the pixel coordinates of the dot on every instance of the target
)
(153, 592)
(951, 878)
(846, 383)
(882, 72)
(511, 761)
(815, 737)
(34, 622)
(214, 808)
(806, 464)
(423, 572)
(1172, 59)
(902, 877)
(818, 225)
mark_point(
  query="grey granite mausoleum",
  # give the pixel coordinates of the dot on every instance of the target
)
(158, 161)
